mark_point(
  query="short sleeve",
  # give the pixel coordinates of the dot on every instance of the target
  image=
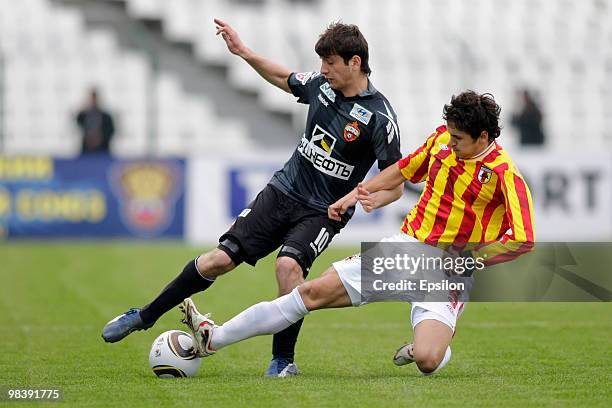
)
(303, 85)
(414, 167)
(386, 139)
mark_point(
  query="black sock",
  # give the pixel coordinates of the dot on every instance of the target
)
(184, 285)
(283, 344)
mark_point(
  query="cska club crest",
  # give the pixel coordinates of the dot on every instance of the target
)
(484, 175)
(351, 131)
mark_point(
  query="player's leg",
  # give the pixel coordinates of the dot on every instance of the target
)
(271, 317)
(289, 274)
(198, 275)
(431, 345)
(248, 239)
(434, 326)
(310, 235)
(325, 292)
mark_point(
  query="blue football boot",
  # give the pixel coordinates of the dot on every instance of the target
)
(122, 325)
(282, 367)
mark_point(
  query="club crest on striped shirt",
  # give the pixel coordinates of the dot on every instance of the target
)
(484, 175)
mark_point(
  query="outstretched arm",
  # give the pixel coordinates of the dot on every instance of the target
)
(272, 72)
(377, 192)
(412, 168)
(371, 201)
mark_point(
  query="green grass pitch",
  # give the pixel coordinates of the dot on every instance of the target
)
(56, 297)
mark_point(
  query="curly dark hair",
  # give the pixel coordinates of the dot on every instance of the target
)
(346, 41)
(472, 113)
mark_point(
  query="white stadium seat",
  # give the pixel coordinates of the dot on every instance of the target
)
(51, 61)
(149, 9)
(422, 51)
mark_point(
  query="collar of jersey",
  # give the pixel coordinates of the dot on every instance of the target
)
(484, 153)
(368, 92)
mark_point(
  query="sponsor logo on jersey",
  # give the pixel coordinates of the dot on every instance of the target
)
(484, 175)
(323, 140)
(351, 131)
(304, 77)
(442, 146)
(322, 100)
(392, 129)
(318, 150)
(327, 91)
(361, 114)
(244, 212)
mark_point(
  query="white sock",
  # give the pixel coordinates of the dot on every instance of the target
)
(445, 360)
(262, 318)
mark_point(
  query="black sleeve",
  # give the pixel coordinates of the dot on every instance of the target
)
(303, 85)
(80, 118)
(386, 139)
(111, 124)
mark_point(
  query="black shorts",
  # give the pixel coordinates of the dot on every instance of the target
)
(274, 219)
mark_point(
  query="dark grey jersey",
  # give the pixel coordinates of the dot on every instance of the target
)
(343, 138)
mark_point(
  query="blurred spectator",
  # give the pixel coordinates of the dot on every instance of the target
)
(97, 127)
(528, 120)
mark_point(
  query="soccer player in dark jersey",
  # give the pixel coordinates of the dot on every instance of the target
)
(473, 194)
(350, 125)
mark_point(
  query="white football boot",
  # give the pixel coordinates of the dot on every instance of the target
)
(404, 355)
(201, 328)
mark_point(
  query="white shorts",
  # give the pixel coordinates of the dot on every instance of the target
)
(445, 312)
(349, 271)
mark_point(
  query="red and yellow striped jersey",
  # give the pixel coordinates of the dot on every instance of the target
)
(483, 200)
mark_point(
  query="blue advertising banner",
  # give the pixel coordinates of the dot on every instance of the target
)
(95, 197)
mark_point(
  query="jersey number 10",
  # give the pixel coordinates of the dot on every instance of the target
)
(319, 244)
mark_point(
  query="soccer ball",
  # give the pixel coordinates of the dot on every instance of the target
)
(172, 355)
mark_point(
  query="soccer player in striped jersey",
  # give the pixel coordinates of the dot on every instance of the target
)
(473, 194)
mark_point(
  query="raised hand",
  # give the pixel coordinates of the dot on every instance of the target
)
(232, 40)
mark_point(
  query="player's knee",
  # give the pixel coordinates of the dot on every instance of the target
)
(427, 360)
(288, 273)
(311, 295)
(214, 263)
(286, 266)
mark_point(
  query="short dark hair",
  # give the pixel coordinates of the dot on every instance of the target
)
(472, 113)
(344, 40)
